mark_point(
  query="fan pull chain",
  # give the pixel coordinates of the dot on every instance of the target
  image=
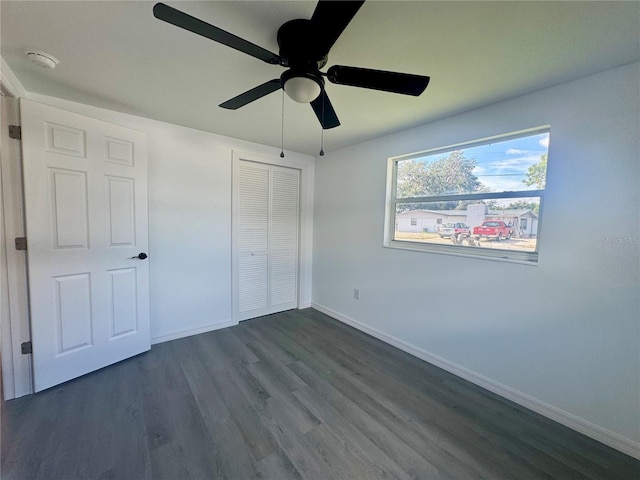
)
(282, 130)
(322, 127)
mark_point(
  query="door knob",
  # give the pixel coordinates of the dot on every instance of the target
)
(141, 256)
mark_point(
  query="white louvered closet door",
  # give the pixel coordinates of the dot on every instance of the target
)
(266, 237)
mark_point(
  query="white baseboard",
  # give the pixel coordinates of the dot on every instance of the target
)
(567, 419)
(191, 331)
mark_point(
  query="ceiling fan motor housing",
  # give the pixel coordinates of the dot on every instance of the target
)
(299, 46)
(301, 52)
(295, 72)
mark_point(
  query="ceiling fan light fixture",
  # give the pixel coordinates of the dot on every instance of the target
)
(302, 89)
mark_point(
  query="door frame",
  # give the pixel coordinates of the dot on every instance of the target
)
(14, 317)
(305, 242)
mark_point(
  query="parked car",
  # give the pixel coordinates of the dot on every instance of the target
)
(454, 229)
(493, 229)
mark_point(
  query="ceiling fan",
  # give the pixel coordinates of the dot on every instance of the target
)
(304, 48)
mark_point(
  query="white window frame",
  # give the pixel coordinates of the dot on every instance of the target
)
(527, 258)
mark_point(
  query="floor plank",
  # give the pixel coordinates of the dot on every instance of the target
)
(295, 395)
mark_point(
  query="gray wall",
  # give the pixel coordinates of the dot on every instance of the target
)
(573, 345)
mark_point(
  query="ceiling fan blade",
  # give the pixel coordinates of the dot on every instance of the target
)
(331, 18)
(324, 111)
(180, 19)
(251, 95)
(395, 82)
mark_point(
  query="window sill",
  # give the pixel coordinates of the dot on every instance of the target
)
(521, 258)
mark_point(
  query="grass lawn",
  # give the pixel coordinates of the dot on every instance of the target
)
(520, 244)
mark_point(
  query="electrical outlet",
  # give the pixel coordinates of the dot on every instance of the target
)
(356, 293)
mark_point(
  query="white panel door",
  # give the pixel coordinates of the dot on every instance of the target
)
(266, 230)
(85, 185)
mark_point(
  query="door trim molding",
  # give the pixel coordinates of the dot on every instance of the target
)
(305, 244)
(10, 81)
(16, 367)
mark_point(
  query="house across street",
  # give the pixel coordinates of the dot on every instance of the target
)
(524, 222)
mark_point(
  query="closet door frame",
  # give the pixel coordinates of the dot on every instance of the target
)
(304, 164)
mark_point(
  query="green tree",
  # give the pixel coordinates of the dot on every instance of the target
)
(491, 204)
(411, 178)
(524, 205)
(537, 173)
(447, 175)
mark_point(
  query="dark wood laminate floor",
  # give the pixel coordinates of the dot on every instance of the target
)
(295, 395)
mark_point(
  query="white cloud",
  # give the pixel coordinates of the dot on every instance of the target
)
(506, 174)
(544, 141)
(511, 165)
(515, 151)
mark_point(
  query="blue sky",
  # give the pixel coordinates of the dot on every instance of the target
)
(503, 165)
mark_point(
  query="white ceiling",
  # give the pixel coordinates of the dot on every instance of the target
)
(116, 55)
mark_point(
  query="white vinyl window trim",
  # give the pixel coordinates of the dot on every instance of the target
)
(392, 202)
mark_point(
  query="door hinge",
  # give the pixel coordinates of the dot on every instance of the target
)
(21, 243)
(26, 347)
(15, 132)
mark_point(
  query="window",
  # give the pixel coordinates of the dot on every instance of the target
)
(481, 198)
(414, 221)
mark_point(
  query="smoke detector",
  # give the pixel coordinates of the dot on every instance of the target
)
(42, 59)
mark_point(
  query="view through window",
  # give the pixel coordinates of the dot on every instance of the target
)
(482, 196)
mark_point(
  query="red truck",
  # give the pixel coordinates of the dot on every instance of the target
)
(493, 229)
